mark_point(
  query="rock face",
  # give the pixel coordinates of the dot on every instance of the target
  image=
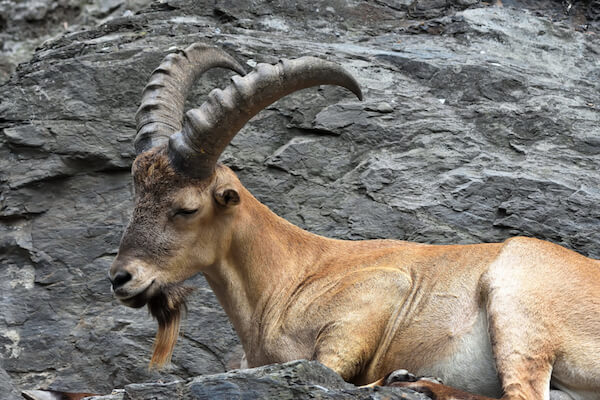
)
(25, 24)
(479, 123)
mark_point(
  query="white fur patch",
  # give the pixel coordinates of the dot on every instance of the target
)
(471, 367)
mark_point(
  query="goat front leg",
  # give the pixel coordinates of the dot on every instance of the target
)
(430, 387)
(345, 354)
(345, 360)
(438, 391)
(523, 349)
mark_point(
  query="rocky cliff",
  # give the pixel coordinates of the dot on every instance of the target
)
(480, 122)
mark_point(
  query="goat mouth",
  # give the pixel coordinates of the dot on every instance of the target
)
(137, 301)
(140, 298)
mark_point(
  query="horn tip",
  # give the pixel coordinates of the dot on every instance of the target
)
(358, 93)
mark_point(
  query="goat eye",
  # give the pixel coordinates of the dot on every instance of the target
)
(186, 212)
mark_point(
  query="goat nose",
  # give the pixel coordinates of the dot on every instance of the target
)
(120, 279)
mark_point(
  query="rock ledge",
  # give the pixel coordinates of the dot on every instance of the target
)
(292, 380)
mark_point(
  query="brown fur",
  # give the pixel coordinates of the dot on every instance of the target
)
(152, 173)
(167, 308)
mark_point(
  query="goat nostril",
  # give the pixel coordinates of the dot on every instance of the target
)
(121, 278)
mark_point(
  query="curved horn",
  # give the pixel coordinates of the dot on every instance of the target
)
(207, 130)
(161, 110)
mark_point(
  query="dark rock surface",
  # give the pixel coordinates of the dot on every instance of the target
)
(293, 380)
(25, 24)
(479, 123)
(7, 387)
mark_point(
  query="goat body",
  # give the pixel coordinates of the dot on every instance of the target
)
(507, 319)
(459, 312)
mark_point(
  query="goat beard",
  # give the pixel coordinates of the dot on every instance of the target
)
(167, 308)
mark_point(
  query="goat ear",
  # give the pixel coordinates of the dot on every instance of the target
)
(227, 196)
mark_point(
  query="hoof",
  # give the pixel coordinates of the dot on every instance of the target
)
(400, 375)
(53, 395)
(403, 375)
(431, 379)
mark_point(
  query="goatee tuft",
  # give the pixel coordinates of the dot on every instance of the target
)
(167, 307)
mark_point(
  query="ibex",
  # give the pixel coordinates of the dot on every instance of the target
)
(505, 319)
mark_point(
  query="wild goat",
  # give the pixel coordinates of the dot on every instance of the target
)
(505, 319)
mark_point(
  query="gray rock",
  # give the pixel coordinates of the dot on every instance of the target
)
(558, 395)
(7, 387)
(157, 391)
(293, 380)
(385, 108)
(493, 133)
(117, 394)
(24, 25)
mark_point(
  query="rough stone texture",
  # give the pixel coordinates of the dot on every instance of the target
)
(7, 387)
(293, 380)
(479, 123)
(26, 24)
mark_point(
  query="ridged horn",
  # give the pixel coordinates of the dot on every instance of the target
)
(207, 130)
(161, 110)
